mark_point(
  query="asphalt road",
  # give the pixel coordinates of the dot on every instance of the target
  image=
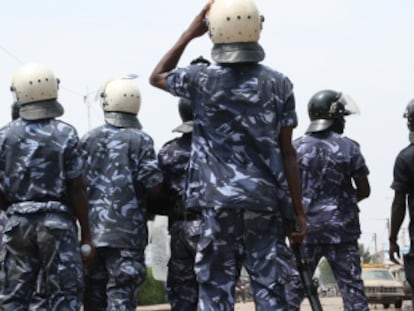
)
(328, 304)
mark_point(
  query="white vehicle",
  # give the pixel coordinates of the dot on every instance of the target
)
(381, 287)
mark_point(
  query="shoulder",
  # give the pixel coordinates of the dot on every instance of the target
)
(63, 124)
(304, 140)
(407, 153)
(95, 132)
(350, 141)
(167, 146)
(275, 74)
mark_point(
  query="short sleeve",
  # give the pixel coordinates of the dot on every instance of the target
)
(74, 157)
(401, 181)
(359, 167)
(149, 173)
(289, 117)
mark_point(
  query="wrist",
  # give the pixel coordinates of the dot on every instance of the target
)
(392, 239)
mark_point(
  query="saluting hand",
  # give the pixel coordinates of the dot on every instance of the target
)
(199, 26)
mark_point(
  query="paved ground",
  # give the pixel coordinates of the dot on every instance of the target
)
(328, 304)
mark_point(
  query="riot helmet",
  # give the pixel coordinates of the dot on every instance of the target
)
(327, 107)
(121, 101)
(35, 87)
(409, 115)
(234, 28)
(200, 61)
(185, 110)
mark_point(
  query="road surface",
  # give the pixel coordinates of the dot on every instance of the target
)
(328, 304)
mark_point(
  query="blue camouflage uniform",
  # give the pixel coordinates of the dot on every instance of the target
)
(39, 299)
(184, 226)
(328, 163)
(236, 178)
(3, 216)
(36, 160)
(121, 164)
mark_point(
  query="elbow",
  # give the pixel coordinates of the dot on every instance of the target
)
(153, 80)
(158, 81)
(363, 193)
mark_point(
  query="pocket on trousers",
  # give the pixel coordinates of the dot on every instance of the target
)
(204, 250)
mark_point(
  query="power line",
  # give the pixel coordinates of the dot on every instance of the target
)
(11, 55)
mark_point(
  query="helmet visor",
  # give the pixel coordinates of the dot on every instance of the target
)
(350, 105)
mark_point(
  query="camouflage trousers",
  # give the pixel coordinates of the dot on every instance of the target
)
(41, 242)
(3, 222)
(232, 238)
(293, 296)
(345, 263)
(113, 283)
(182, 286)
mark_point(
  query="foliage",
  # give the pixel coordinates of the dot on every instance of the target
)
(152, 291)
(365, 255)
(325, 273)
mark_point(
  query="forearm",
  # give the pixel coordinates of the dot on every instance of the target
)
(79, 202)
(293, 179)
(397, 216)
(169, 61)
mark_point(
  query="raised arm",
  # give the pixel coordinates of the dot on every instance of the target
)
(170, 60)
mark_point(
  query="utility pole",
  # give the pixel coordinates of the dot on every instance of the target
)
(375, 247)
(88, 108)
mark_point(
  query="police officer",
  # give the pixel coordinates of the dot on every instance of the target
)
(39, 299)
(403, 185)
(243, 173)
(43, 192)
(184, 225)
(121, 170)
(3, 217)
(330, 164)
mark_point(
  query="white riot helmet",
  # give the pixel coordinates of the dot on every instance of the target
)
(234, 27)
(35, 88)
(121, 101)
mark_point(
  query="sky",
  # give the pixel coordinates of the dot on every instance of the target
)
(362, 48)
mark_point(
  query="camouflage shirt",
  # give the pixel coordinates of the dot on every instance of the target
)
(404, 180)
(121, 164)
(238, 113)
(37, 158)
(173, 158)
(328, 162)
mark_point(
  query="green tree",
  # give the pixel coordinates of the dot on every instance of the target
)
(365, 254)
(152, 291)
(325, 272)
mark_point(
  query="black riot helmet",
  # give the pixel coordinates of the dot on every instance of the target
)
(185, 110)
(325, 108)
(200, 61)
(409, 114)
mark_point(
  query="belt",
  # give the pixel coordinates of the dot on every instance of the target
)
(44, 199)
(189, 216)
